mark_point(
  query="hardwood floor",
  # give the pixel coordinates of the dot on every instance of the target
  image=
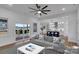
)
(7, 46)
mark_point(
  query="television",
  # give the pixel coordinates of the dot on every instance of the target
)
(49, 33)
(53, 33)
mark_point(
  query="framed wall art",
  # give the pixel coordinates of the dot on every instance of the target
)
(3, 25)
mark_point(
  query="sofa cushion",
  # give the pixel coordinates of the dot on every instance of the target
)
(48, 38)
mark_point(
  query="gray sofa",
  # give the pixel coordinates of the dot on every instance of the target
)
(48, 39)
(57, 46)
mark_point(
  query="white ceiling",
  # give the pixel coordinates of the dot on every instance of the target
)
(55, 8)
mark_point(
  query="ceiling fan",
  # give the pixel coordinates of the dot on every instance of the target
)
(40, 10)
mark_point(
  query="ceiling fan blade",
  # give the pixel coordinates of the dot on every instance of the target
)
(44, 7)
(32, 11)
(37, 6)
(35, 13)
(32, 8)
(46, 10)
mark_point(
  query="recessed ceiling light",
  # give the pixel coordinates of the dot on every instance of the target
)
(63, 9)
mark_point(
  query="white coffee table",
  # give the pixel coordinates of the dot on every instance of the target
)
(30, 49)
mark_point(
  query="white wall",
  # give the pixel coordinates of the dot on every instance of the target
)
(13, 18)
(78, 25)
(72, 27)
(71, 24)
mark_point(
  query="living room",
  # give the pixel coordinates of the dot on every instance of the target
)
(22, 25)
